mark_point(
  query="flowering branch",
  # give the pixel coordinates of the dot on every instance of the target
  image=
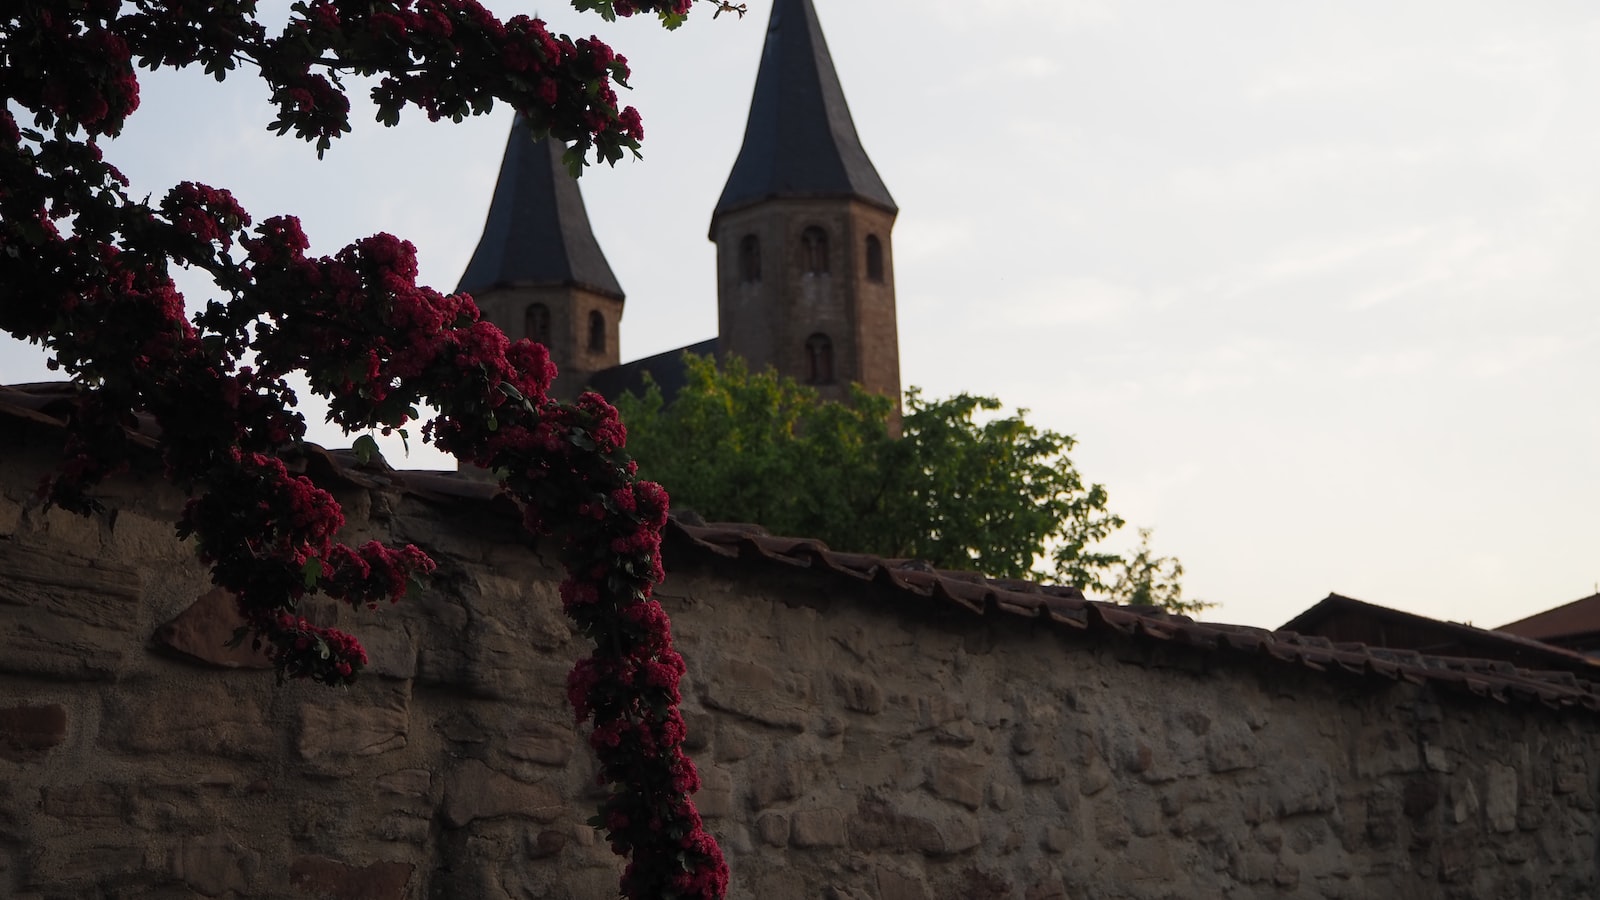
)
(86, 269)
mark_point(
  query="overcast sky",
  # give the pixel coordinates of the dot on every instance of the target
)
(1313, 284)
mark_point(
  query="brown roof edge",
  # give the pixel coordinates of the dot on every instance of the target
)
(1580, 617)
(1553, 684)
(1500, 640)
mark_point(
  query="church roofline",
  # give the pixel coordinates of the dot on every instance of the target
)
(602, 290)
(667, 369)
(753, 202)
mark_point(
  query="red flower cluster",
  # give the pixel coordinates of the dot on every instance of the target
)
(206, 213)
(303, 650)
(451, 59)
(96, 89)
(374, 574)
(371, 340)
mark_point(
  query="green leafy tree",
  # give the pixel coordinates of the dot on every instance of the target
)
(753, 448)
(1145, 579)
(962, 487)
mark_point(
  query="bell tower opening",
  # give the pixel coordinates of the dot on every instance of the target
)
(819, 359)
(536, 323)
(814, 251)
(750, 259)
(874, 259)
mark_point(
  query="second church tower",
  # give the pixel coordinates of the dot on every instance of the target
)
(805, 263)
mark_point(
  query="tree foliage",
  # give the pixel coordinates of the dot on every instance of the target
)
(962, 487)
(1142, 578)
(85, 270)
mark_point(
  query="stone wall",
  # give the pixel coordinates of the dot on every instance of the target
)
(854, 743)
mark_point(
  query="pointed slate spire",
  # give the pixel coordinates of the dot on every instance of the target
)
(800, 140)
(538, 231)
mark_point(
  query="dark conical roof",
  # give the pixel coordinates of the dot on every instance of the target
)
(538, 230)
(800, 140)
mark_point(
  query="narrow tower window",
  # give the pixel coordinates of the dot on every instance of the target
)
(819, 359)
(874, 258)
(597, 333)
(749, 259)
(814, 251)
(536, 323)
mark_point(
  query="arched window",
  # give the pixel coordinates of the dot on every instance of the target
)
(819, 359)
(814, 251)
(536, 323)
(874, 258)
(597, 332)
(749, 259)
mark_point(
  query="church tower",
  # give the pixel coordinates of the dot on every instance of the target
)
(805, 269)
(538, 271)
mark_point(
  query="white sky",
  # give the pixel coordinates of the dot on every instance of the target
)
(1313, 284)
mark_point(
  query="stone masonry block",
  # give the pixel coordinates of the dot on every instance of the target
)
(64, 616)
(203, 630)
(475, 791)
(749, 689)
(858, 694)
(1500, 798)
(354, 725)
(28, 732)
(335, 880)
(958, 779)
(816, 828)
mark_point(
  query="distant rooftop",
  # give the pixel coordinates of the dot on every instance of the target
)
(666, 370)
(1575, 625)
(1344, 620)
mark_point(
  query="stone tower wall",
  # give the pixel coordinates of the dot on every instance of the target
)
(569, 328)
(877, 330)
(854, 743)
(767, 322)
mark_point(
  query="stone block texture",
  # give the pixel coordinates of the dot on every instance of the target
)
(854, 745)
